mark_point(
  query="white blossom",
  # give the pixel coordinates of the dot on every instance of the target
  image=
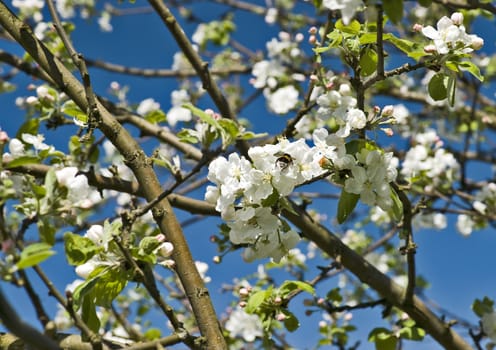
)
(249, 327)
(282, 100)
(347, 8)
(465, 224)
(450, 35)
(80, 194)
(146, 106)
(177, 113)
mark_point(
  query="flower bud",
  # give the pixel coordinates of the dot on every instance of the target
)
(281, 317)
(457, 18)
(244, 292)
(388, 110)
(477, 43)
(417, 27)
(242, 304)
(216, 259)
(430, 48)
(313, 30)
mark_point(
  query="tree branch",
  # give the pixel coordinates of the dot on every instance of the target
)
(136, 159)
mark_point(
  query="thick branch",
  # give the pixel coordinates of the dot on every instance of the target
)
(142, 168)
(369, 275)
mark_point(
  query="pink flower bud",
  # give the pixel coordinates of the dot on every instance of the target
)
(281, 317)
(388, 131)
(160, 237)
(321, 301)
(277, 300)
(244, 292)
(313, 30)
(430, 48)
(4, 138)
(312, 39)
(388, 110)
(457, 18)
(417, 27)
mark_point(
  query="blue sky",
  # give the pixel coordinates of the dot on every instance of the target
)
(459, 269)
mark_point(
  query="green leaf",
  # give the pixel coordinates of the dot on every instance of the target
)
(355, 146)
(368, 62)
(484, 306)
(383, 339)
(152, 334)
(346, 205)
(404, 45)
(23, 160)
(71, 109)
(46, 231)
(289, 286)
(89, 315)
(393, 9)
(334, 295)
(425, 3)
(352, 28)
(249, 135)
(84, 289)
(397, 208)
(29, 127)
(34, 254)
(78, 249)
(155, 117)
(256, 299)
(290, 322)
(109, 285)
(451, 89)
(103, 286)
(471, 68)
(438, 87)
(188, 136)
(335, 39)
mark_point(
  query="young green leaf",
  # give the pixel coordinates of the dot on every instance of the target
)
(346, 205)
(438, 87)
(78, 249)
(393, 9)
(34, 254)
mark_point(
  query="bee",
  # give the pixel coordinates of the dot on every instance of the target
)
(283, 161)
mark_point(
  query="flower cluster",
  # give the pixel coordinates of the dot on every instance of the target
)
(484, 203)
(451, 35)
(248, 194)
(428, 159)
(271, 74)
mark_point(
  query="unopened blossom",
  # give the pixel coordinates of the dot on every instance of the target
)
(246, 326)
